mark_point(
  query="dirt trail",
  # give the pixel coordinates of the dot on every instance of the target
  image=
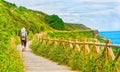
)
(34, 63)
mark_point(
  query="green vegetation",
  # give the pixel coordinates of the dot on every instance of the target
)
(72, 26)
(55, 22)
(13, 18)
(80, 35)
(73, 58)
(10, 60)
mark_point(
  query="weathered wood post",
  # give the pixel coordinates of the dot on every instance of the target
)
(116, 58)
(54, 42)
(95, 48)
(76, 46)
(37, 36)
(62, 42)
(85, 46)
(45, 40)
(107, 50)
(69, 43)
(111, 53)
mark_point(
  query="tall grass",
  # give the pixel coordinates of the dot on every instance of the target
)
(70, 34)
(10, 59)
(73, 58)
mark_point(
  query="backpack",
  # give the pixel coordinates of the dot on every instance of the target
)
(23, 35)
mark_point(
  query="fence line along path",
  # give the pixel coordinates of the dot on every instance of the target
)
(34, 63)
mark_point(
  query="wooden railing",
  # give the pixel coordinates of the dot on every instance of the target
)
(96, 47)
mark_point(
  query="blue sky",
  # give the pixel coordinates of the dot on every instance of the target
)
(103, 15)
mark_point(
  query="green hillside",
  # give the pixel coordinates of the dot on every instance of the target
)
(33, 20)
(12, 19)
(73, 26)
(20, 16)
(80, 35)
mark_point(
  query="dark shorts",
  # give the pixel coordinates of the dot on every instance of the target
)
(23, 42)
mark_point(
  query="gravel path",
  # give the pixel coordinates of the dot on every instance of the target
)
(34, 63)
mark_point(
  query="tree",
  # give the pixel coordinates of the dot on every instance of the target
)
(55, 22)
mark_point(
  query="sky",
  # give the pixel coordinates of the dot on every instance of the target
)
(103, 15)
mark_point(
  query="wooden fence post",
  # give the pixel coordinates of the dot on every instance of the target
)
(95, 48)
(62, 42)
(45, 40)
(107, 50)
(76, 46)
(55, 42)
(116, 58)
(69, 43)
(37, 36)
(111, 53)
(85, 47)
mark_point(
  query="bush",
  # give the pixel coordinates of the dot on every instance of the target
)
(55, 22)
(10, 59)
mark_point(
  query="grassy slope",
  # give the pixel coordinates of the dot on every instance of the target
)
(10, 60)
(33, 20)
(73, 26)
(80, 35)
(20, 16)
(12, 18)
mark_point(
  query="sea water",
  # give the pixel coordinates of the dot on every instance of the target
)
(113, 36)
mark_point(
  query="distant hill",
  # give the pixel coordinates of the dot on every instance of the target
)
(74, 26)
(68, 26)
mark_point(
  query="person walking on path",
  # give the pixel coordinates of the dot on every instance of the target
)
(23, 38)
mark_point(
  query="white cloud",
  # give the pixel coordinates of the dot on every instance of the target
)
(115, 25)
(101, 12)
(117, 9)
(26, 3)
(98, 0)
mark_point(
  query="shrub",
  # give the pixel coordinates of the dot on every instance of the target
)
(55, 22)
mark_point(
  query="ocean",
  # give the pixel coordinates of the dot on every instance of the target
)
(113, 36)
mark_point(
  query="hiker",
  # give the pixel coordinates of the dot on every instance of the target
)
(23, 38)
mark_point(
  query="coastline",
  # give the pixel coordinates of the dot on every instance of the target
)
(113, 36)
